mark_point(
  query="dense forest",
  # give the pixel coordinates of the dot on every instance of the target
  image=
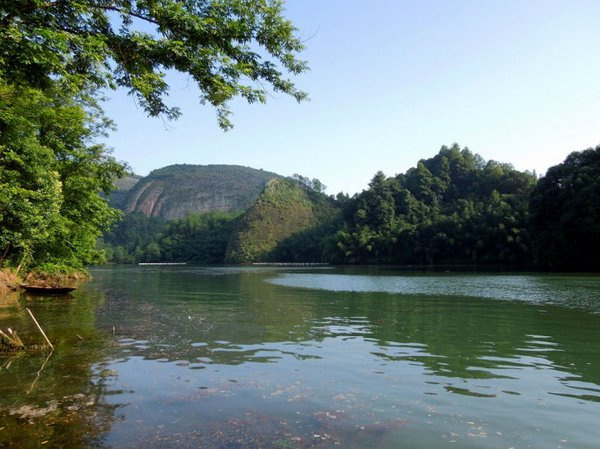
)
(452, 209)
(565, 214)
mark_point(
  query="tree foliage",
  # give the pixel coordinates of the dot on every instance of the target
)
(452, 208)
(313, 185)
(565, 213)
(51, 177)
(131, 236)
(229, 48)
(196, 238)
(55, 58)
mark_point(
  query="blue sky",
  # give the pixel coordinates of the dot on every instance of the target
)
(392, 81)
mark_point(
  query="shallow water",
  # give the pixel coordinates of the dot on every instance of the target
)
(307, 358)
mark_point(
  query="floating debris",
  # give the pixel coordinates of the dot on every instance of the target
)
(30, 411)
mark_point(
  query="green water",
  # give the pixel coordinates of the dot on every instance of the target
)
(168, 357)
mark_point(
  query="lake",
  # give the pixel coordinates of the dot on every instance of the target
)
(264, 357)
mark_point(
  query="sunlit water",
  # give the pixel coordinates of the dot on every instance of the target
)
(307, 358)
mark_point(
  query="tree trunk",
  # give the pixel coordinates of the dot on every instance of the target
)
(5, 254)
(22, 262)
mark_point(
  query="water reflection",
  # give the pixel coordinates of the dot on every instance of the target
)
(256, 357)
(53, 399)
(232, 322)
(252, 349)
(473, 335)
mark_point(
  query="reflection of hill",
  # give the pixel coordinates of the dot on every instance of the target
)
(552, 317)
(233, 316)
(223, 318)
(467, 338)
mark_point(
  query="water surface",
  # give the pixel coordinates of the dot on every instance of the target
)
(242, 357)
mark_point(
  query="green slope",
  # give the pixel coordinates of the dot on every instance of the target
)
(282, 209)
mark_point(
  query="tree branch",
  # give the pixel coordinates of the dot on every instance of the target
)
(124, 12)
(31, 7)
(5, 254)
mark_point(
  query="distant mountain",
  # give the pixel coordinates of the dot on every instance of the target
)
(118, 197)
(174, 191)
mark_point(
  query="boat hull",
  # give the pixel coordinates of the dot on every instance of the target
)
(39, 289)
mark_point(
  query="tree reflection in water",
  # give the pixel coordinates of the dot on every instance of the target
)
(224, 358)
(54, 399)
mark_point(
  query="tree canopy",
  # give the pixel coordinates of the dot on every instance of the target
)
(195, 238)
(454, 208)
(565, 213)
(51, 177)
(228, 47)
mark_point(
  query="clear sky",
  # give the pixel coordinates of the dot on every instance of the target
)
(391, 81)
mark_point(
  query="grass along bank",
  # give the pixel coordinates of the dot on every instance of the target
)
(9, 281)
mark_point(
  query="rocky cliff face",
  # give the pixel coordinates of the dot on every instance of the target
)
(174, 191)
(118, 197)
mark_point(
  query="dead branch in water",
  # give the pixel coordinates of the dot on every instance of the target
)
(40, 328)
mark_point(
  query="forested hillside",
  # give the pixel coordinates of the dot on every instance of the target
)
(452, 209)
(285, 208)
(565, 214)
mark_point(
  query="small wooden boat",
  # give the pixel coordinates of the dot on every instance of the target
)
(46, 289)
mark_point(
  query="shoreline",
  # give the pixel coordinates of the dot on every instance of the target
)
(10, 281)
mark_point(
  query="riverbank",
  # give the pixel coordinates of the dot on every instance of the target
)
(68, 279)
(9, 281)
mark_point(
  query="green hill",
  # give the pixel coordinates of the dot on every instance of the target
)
(282, 210)
(177, 190)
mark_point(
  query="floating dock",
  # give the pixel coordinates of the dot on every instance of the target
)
(291, 264)
(162, 263)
